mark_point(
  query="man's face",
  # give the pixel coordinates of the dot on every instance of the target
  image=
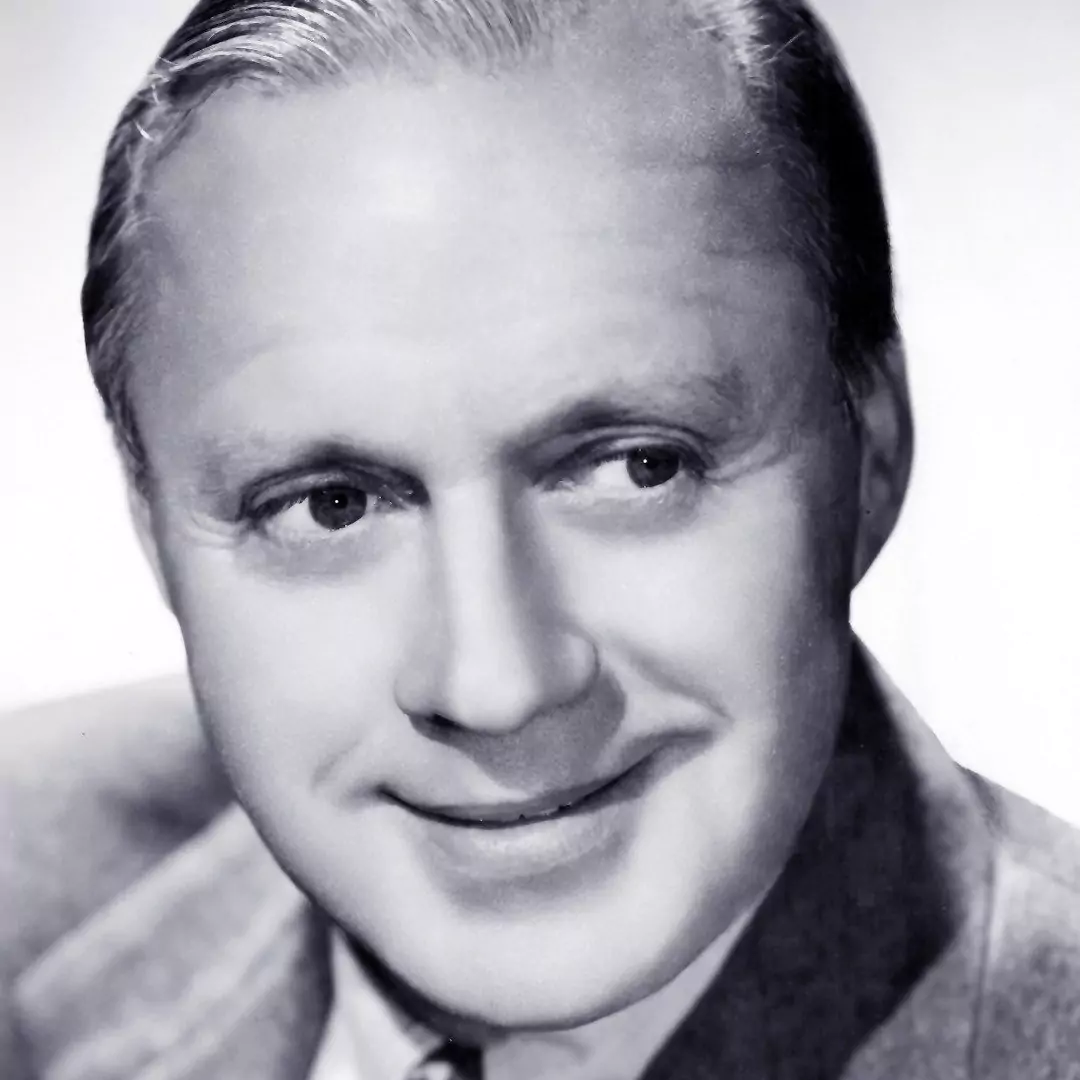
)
(504, 501)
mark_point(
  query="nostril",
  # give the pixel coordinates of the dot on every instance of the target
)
(437, 724)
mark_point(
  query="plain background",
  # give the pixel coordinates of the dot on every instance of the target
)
(973, 607)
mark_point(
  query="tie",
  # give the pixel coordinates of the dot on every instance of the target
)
(451, 1061)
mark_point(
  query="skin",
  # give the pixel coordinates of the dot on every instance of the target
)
(477, 322)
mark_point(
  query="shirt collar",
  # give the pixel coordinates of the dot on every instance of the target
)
(380, 1040)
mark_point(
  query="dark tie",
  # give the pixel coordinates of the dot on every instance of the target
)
(451, 1061)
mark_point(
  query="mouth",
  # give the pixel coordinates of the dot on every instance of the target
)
(515, 814)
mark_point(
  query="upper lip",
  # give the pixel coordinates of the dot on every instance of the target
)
(512, 810)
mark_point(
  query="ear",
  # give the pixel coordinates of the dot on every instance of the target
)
(883, 407)
(142, 517)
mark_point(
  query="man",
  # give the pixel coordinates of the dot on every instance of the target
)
(511, 398)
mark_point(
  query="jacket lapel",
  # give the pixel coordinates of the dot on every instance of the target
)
(212, 966)
(863, 960)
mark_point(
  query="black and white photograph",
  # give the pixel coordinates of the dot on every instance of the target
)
(540, 540)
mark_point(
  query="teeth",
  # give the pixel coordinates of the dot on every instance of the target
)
(539, 815)
(545, 813)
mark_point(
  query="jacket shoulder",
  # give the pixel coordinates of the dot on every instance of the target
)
(1030, 1014)
(93, 791)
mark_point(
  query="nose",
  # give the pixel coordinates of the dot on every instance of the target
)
(492, 648)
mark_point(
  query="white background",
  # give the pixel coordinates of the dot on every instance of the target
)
(974, 606)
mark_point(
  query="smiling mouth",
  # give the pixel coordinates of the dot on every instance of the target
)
(508, 815)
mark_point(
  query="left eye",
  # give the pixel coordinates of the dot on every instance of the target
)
(649, 467)
(642, 468)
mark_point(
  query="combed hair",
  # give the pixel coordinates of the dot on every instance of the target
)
(789, 73)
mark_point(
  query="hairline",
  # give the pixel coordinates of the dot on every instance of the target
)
(155, 128)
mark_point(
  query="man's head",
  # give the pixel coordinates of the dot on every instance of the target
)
(507, 394)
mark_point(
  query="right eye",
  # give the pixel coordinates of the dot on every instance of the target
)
(311, 512)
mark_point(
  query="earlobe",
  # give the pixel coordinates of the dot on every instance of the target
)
(142, 518)
(886, 437)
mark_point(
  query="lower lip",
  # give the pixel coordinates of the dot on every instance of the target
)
(590, 833)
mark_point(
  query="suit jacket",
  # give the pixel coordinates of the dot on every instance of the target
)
(926, 926)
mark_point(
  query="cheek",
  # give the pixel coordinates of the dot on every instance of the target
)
(745, 617)
(736, 610)
(288, 675)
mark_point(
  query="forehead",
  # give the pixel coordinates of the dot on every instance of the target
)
(604, 135)
(577, 213)
(632, 119)
(443, 174)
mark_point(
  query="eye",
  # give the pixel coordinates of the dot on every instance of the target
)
(640, 468)
(336, 507)
(306, 511)
(314, 513)
(649, 467)
(327, 521)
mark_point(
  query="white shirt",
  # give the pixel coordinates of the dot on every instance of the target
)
(368, 1038)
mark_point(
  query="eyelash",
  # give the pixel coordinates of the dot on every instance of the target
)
(257, 510)
(591, 457)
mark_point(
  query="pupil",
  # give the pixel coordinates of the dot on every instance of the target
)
(653, 467)
(337, 507)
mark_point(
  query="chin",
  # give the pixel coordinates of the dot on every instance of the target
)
(547, 1000)
(537, 983)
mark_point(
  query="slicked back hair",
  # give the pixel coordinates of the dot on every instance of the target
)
(790, 78)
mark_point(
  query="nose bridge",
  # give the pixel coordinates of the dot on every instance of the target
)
(499, 649)
(486, 562)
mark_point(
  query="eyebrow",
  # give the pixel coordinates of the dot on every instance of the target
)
(703, 402)
(717, 404)
(228, 458)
